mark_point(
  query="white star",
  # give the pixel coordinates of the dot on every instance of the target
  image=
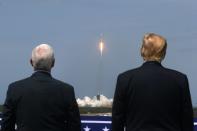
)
(105, 129)
(87, 128)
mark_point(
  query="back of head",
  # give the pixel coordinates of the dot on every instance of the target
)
(42, 57)
(153, 47)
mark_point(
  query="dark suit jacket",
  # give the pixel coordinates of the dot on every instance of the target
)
(152, 98)
(40, 103)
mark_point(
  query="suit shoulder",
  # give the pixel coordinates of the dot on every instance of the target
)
(178, 76)
(175, 72)
(66, 89)
(18, 85)
(127, 75)
(64, 84)
(129, 72)
(19, 82)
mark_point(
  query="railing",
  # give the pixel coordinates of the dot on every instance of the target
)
(100, 123)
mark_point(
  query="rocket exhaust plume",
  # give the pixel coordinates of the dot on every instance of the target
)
(101, 47)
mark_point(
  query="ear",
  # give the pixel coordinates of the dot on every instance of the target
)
(31, 62)
(53, 63)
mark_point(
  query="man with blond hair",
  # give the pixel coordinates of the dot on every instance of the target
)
(152, 97)
(40, 102)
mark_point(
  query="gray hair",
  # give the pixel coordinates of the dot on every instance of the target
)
(42, 57)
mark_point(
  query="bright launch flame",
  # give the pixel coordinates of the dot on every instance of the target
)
(101, 47)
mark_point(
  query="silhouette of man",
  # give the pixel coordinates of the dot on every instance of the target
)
(40, 102)
(152, 97)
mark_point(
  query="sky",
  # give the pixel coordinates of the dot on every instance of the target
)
(74, 27)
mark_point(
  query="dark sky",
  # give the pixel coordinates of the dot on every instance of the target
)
(74, 27)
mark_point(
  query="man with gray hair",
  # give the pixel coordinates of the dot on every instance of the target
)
(40, 102)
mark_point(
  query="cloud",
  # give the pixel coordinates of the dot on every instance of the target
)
(93, 102)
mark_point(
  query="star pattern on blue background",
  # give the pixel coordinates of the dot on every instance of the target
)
(87, 128)
(105, 129)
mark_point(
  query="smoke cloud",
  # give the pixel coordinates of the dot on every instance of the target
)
(94, 102)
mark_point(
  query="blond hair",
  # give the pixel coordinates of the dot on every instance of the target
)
(153, 47)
